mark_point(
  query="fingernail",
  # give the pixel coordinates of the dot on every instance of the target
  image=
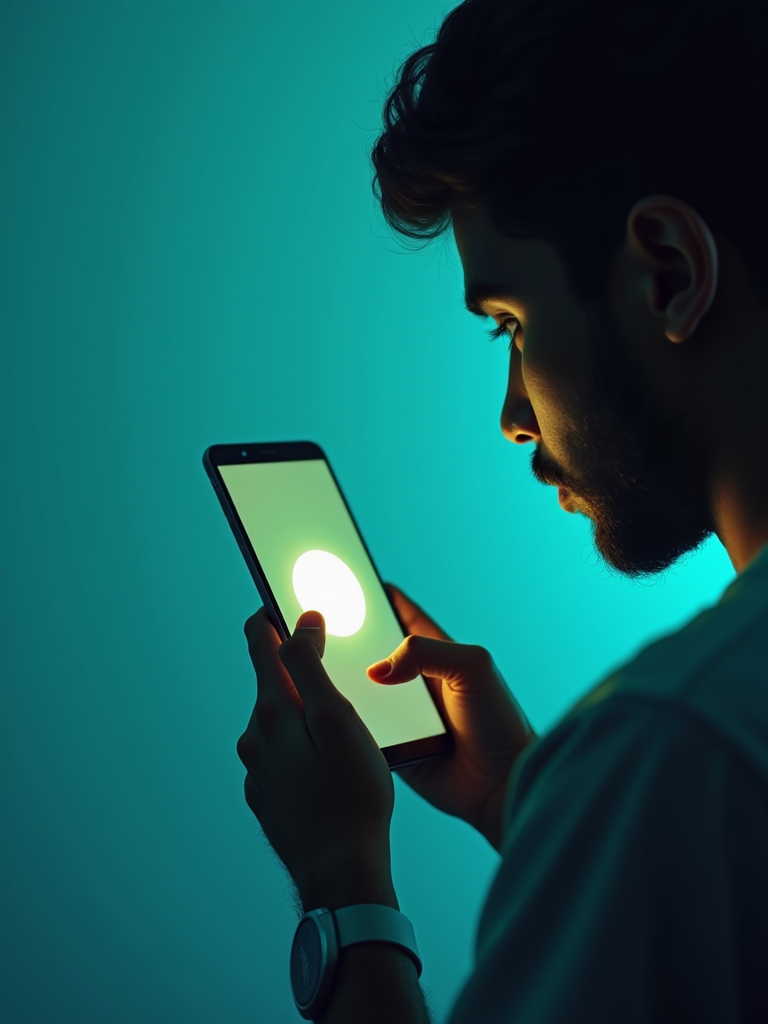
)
(382, 669)
(309, 620)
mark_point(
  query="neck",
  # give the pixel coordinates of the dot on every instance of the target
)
(742, 533)
(736, 412)
(740, 480)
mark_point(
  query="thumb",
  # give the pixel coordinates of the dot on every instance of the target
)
(310, 626)
(302, 656)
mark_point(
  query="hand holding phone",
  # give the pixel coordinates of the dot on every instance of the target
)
(305, 552)
(489, 729)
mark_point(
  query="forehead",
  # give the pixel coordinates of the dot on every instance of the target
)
(475, 235)
(499, 267)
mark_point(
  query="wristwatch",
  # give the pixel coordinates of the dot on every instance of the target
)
(320, 935)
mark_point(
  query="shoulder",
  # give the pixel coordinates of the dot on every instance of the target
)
(628, 827)
(633, 881)
(630, 748)
(709, 678)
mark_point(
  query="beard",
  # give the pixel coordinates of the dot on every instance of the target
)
(637, 473)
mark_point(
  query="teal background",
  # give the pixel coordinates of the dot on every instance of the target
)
(288, 508)
(190, 255)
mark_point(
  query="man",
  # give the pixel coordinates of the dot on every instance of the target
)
(602, 167)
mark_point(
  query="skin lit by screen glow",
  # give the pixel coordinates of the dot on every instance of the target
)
(323, 583)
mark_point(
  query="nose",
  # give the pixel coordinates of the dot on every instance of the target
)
(518, 420)
(520, 432)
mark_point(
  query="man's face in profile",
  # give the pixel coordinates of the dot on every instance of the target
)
(590, 403)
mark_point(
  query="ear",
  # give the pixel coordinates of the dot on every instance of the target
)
(678, 257)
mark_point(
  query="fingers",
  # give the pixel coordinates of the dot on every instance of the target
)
(285, 669)
(458, 664)
(413, 617)
(263, 645)
(294, 690)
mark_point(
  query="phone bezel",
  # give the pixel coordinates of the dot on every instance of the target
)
(401, 754)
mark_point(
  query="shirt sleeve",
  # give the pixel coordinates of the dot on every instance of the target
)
(634, 880)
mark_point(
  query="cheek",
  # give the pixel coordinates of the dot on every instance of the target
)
(554, 348)
(538, 372)
(550, 370)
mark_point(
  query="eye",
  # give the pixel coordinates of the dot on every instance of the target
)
(510, 326)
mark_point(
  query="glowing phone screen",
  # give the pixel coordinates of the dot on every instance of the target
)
(313, 558)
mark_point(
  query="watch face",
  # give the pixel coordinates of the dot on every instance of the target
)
(306, 960)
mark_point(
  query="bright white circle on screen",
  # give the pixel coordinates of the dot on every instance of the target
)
(324, 583)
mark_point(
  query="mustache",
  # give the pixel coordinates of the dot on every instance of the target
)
(547, 473)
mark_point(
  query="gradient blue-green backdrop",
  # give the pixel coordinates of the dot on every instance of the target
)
(190, 255)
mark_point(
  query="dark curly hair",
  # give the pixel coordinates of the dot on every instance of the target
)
(560, 114)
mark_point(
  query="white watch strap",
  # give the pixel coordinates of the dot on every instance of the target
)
(373, 922)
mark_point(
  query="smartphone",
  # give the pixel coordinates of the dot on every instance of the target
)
(305, 551)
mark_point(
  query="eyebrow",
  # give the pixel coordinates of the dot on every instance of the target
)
(479, 292)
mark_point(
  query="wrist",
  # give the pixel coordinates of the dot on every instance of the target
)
(492, 823)
(344, 885)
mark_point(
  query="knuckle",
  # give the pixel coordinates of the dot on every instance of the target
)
(481, 657)
(253, 621)
(411, 646)
(245, 747)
